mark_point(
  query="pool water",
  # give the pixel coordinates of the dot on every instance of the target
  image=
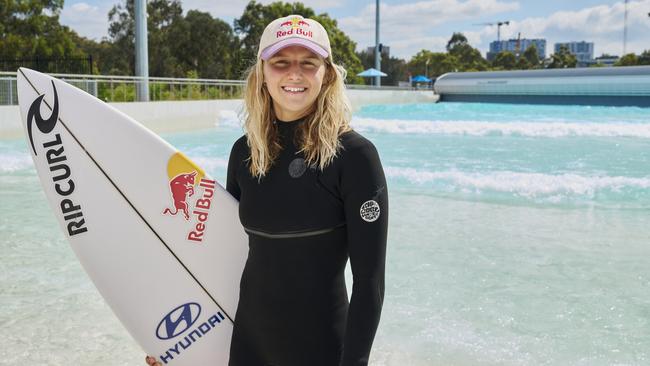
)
(519, 235)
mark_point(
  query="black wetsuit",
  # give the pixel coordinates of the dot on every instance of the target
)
(303, 224)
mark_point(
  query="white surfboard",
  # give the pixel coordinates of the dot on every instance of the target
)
(160, 239)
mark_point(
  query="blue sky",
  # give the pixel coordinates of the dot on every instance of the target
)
(408, 26)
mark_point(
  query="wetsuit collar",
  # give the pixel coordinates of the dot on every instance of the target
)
(295, 122)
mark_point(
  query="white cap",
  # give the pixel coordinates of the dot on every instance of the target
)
(294, 30)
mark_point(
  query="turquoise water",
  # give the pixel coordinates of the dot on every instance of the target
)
(519, 235)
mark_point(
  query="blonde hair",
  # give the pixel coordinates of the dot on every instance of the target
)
(318, 136)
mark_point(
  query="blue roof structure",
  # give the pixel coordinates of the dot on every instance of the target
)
(371, 73)
(420, 79)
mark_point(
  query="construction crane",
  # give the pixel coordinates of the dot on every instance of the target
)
(498, 24)
(518, 45)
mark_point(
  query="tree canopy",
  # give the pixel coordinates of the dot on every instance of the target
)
(196, 44)
(563, 59)
(531, 56)
(439, 63)
(31, 29)
(505, 60)
(394, 67)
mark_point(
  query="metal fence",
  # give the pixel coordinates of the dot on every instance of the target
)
(123, 88)
(69, 65)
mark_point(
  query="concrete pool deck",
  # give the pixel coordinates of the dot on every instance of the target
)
(167, 116)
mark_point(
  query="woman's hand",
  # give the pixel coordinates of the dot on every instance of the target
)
(151, 361)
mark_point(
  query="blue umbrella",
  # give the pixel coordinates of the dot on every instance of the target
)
(371, 73)
(421, 79)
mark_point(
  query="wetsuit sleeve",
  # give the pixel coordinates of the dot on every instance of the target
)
(235, 160)
(365, 198)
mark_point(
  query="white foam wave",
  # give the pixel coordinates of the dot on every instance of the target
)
(529, 185)
(516, 128)
(211, 164)
(228, 118)
(13, 162)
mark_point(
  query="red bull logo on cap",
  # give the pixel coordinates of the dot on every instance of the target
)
(297, 27)
(184, 176)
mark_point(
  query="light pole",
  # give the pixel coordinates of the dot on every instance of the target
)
(141, 51)
(426, 72)
(625, 31)
(377, 51)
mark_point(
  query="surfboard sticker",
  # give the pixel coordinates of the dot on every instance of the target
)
(186, 178)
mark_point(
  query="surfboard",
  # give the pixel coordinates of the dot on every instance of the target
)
(160, 239)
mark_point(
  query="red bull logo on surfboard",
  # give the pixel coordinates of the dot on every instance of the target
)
(185, 179)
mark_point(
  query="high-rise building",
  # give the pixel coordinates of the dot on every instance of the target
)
(583, 51)
(517, 46)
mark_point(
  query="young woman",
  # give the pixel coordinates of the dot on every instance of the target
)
(312, 194)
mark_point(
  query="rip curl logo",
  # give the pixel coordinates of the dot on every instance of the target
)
(297, 168)
(370, 211)
(34, 114)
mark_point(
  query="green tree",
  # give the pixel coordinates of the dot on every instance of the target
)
(644, 58)
(563, 59)
(456, 39)
(256, 16)
(396, 68)
(102, 54)
(627, 60)
(161, 15)
(439, 63)
(469, 58)
(531, 56)
(523, 64)
(505, 60)
(204, 44)
(31, 29)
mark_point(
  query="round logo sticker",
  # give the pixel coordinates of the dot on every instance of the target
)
(369, 211)
(297, 167)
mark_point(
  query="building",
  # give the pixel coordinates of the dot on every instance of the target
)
(611, 86)
(517, 46)
(583, 51)
(607, 60)
(385, 51)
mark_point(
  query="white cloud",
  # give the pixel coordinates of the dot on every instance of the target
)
(403, 25)
(87, 20)
(409, 27)
(92, 21)
(602, 24)
(235, 8)
(81, 7)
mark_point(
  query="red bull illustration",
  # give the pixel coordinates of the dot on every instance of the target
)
(182, 187)
(191, 194)
(294, 23)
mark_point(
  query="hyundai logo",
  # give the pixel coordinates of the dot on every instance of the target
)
(178, 320)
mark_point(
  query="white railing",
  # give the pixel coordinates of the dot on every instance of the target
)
(111, 88)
